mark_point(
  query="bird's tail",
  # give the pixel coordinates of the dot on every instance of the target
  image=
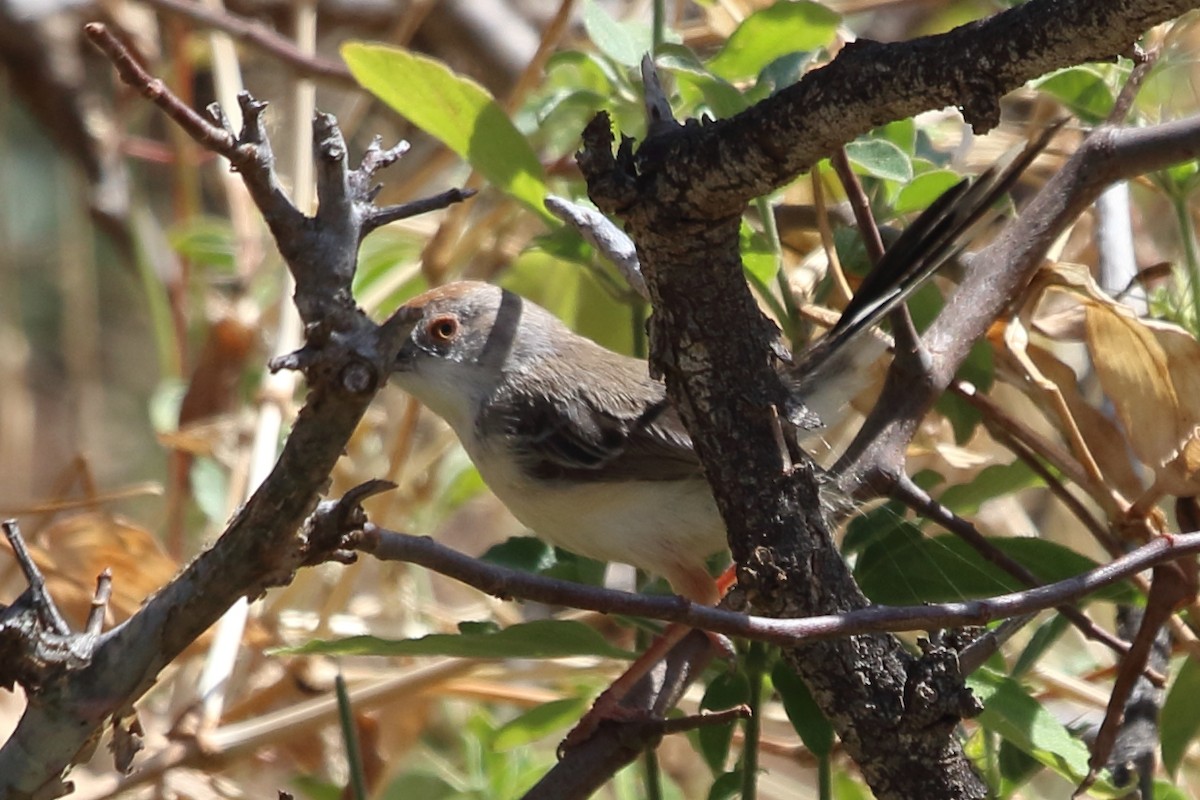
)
(828, 372)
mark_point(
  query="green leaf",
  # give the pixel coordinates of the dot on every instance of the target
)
(1010, 711)
(538, 722)
(780, 74)
(978, 370)
(1016, 766)
(1179, 722)
(1043, 638)
(923, 190)
(210, 488)
(571, 567)
(814, 730)
(874, 525)
(772, 32)
(901, 132)
(992, 481)
(758, 257)
(465, 484)
(903, 568)
(727, 786)
(1084, 89)
(726, 690)
(419, 784)
(538, 639)
(881, 159)
(721, 96)
(623, 42)
(454, 110)
(525, 553)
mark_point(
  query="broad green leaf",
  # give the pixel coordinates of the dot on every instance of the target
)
(454, 110)
(1016, 766)
(418, 784)
(538, 639)
(903, 568)
(901, 132)
(923, 190)
(1042, 640)
(1085, 89)
(580, 569)
(1165, 791)
(1010, 711)
(815, 731)
(1180, 723)
(721, 96)
(521, 552)
(774, 31)
(313, 788)
(726, 786)
(881, 159)
(780, 74)
(623, 42)
(539, 722)
(758, 257)
(726, 690)
(993, 481)
(878, 523)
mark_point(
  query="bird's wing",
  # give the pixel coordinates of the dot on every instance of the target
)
(605, 439)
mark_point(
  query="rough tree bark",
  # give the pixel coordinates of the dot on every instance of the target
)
(681, 195)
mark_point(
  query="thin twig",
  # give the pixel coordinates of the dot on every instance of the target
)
(511, 583)
(261, 37)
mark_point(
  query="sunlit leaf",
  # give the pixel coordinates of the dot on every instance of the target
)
(771, 32)
(1011, 712)
(1179, 722)
(923, 189)
(1085, 89)
(992, 481)
(758, 257)
(623, 42)
(881, 159)
(455, 110)
(539, 722)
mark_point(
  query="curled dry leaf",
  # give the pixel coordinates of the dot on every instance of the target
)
(1106, 441)
(1150, 371)
(75, 549)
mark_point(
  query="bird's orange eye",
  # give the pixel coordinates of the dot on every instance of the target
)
(443, 329)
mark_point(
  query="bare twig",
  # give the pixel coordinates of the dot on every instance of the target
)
(511, 583)
(261, 37)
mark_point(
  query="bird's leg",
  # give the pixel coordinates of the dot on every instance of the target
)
(608, 704)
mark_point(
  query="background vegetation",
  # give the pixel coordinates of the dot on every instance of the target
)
(142, 296)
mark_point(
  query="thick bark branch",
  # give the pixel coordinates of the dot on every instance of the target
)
(682, 196)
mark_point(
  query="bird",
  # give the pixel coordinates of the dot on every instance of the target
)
(584, 447)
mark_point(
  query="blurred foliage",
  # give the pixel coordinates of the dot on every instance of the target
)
(115, 349)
